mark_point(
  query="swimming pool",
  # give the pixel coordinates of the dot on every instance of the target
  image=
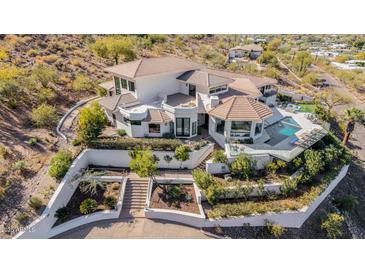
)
(281, 130)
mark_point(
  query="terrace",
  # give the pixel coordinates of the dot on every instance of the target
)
(285, 136)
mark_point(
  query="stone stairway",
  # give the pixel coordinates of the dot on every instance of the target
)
(202, 164)
(134, 198)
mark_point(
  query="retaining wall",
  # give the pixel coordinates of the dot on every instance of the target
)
(293, 219)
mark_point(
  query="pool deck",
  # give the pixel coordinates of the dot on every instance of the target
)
(284, 150)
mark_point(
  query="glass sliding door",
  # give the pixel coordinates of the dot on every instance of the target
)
(183, 127)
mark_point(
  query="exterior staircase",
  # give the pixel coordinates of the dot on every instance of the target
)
(134, 200)
(202, 164)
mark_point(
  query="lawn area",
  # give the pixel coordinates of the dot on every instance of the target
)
(307, 107)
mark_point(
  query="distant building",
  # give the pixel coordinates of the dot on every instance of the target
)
(244, 53)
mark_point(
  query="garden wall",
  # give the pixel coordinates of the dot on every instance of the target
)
(192, 219)
(120, 158)
(293, 219)
(42, 227)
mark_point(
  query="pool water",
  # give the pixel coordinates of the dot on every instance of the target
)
(281, 130)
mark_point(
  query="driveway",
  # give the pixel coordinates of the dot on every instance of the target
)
(138, 228)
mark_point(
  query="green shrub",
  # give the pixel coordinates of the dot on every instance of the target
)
(35, 203)
(20, 165)
(332, 225)
(76, 142)
(174, 191)
(110, 202)
(82, 83)
(347, 203)
(273, 229)
(32, 141)
(289, 186)
(260, 192)
(46, 95)
(271, 167)
(297, 162)
(44, 74)
(88, 206)
(281, 164)
(44, 116)
(101, 91)
(214, 192)
(92, 186)
(182, 153)
(219, 156)
(157, 38)
(121, 132)
(91, 122)
(202, 178)
(60, 163)
(313, 162)
(62, 213)
(22, 217)
(3, 152)
(242, 167)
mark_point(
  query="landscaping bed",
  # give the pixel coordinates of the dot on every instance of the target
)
(156, 144)
(320, 165)
(72, 209)
(162, 197)
(109, 171)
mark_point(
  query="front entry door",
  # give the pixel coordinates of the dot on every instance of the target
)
(182, 127)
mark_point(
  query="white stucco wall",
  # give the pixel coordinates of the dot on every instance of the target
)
(293, 219)
(148, 89)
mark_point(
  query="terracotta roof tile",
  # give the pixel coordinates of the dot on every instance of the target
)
(241, 108)
(151, 66)
(112, 102)
(157, 116)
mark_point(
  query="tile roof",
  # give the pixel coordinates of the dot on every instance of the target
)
(258, 81)
(241, 108)
(245, 86)
(112, 102)
(157, 116)
(204, 78)
(151, 66)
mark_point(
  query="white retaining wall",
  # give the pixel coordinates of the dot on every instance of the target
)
(293, 219)
(120, 158)
(188, 218)
(42, 227)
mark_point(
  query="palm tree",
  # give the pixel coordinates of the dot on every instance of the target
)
(352, 116)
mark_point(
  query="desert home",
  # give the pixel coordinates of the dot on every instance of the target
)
(172, 97)
(245, 52)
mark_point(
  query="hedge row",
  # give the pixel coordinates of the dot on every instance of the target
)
(157, 144)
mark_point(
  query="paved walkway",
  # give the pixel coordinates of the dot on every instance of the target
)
(138, 228)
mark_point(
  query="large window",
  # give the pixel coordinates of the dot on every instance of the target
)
(219, 128)
(183, 127)
(193, 128)
(241, 126)
(124, 83)
(117, 85)
(131, 86)
(217, 89)
(154, 128)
